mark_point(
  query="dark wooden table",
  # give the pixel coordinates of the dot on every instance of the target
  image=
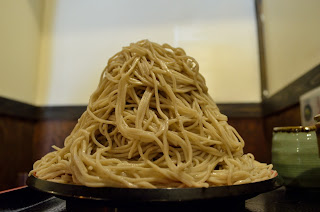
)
(282, 199)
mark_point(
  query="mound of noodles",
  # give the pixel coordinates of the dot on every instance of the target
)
(151, 124)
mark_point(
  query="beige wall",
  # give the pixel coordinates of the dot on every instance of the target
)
(19, 41)
(292, 40)
(53, 54)
(61, 54)
(220, 35)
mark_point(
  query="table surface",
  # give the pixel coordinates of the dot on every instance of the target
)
(282, 199)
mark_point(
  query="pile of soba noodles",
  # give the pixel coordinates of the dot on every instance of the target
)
(152, 124)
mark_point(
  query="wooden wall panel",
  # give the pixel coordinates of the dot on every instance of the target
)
(288, 117)
(54, 132)
(48, 133)
(25, 140)
(15, 150)
(34, 139)
(257, 132)
(252, 132)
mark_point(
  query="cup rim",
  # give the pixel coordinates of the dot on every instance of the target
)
(294, 129)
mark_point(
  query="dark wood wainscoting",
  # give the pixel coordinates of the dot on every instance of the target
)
(287, 117)
(23, 141)
(48, 133)
(252, 131)
(25, 138)
(15, 150)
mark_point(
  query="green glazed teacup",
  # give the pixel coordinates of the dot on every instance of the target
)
(295, 155)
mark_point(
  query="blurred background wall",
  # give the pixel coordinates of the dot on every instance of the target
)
(20, 37)
(52, 52)
(69, 43)
(292, 40)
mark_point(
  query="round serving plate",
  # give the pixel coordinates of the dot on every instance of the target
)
(133, 196)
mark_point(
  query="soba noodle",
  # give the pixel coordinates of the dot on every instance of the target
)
(151, 124)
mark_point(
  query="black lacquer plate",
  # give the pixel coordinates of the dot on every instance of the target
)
(134, 196)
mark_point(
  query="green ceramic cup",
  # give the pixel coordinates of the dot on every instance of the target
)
(295, 155)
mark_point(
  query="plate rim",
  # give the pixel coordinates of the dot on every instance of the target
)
(153, 195)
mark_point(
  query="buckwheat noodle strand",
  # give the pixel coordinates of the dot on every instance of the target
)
(151, 124)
